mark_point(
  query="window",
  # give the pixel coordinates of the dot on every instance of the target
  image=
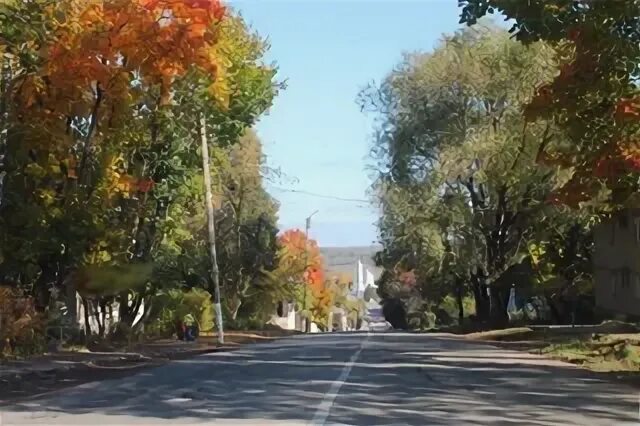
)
(636, 221)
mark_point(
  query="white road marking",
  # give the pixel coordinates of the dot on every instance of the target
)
(322, 413)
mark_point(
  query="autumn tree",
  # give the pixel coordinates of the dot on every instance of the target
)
(593, 96)
(300, 265)
(99, 104)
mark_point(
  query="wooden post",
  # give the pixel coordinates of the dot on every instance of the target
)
(212, 229)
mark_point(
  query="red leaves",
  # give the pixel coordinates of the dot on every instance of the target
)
(145, 185)
(627, 109)
(618, 161)
(612, 165)
(408, 279)
(574, 33)
(299, 249)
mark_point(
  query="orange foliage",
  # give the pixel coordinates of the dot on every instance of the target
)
(301, 249)
(613, 162)
(104, 46)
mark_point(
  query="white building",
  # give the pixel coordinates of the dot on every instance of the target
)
(363, 278)
(288, 318)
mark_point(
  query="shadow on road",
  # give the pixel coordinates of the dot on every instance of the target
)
(398, 379)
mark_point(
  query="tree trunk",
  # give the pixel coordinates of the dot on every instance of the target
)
(459, 301)
(5, 77)
(96, 314)
(103, 315)
(498, 307)
(86, 149)
(110, 312)
(87, 323)
(215, 279)
(553, 308)
(128, 313)
(480, 297)
(235, 308)
(148, 306)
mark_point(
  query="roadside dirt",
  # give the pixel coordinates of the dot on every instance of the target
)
(610, 349)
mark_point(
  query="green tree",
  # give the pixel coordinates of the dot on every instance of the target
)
(461, 190)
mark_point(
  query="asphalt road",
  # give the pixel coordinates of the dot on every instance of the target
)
(350, 378)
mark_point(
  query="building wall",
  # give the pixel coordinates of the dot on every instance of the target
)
(616, 262)
(288, 320)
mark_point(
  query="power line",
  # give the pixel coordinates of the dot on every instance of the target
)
(313, 194)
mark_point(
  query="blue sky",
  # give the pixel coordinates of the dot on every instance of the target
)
(328, 50)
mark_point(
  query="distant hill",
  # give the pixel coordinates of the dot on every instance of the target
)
(343, 259)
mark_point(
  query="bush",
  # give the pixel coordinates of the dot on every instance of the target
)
(173, 305)
(422, 320)
(242, 323)
(395, 313)
(21, 326)
(450, 307)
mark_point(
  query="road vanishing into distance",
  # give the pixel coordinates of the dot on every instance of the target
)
(362, 378)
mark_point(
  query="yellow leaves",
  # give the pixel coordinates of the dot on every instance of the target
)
(220, 92)
(47, 196)
(35, 170)
(536, 252)
(124, 184)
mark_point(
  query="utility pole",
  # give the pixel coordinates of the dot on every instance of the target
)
(307, 322)
(215, 273)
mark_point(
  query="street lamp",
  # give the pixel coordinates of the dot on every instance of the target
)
(308, 223)
(307, 323)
